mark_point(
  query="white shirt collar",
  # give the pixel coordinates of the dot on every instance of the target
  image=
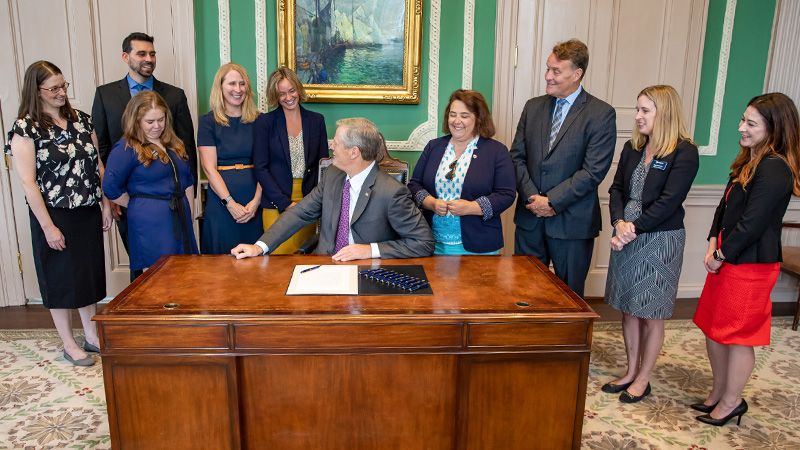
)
(357, 180)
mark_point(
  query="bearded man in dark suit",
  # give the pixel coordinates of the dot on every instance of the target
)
(562, 150)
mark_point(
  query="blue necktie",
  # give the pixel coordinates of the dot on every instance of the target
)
(558, 119)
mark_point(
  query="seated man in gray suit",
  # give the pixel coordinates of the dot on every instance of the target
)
(365, 212)
(562, 151)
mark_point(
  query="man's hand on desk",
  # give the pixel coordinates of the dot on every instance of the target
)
(246, 251)
(352, 251)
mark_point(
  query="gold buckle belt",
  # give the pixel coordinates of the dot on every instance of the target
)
(236, 167)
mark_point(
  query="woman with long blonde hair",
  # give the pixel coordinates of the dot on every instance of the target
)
(655, 172)
(232, 211)
(148, 173)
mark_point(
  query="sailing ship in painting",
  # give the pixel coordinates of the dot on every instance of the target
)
(350, 41)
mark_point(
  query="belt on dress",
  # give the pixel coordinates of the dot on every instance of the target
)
(178, 213)
(236, 167)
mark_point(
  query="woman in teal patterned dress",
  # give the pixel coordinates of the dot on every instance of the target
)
(463, 181)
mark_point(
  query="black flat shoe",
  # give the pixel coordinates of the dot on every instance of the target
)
(702, 407)
(627, 397)
(84, 362)
(737, 412)
(89, 348)
(610, 388)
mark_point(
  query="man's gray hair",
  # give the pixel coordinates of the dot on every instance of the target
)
(362, 133)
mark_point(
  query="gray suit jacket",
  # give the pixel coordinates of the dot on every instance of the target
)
(570, 173)
(384, 214)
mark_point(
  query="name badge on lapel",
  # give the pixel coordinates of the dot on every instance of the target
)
(660, 165)
(61, 138)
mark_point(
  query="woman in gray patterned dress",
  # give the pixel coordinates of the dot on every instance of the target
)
(655, 171)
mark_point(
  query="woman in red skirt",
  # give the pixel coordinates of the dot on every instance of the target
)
(744, 251)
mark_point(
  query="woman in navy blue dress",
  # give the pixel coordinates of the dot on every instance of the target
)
(225, 140)
(148, 172)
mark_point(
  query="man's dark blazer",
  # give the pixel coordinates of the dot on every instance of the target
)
(273, 165)
(490, 175)
(665, 188)
(570, 173)
(384, 214)
(110, 101)
(751, 219)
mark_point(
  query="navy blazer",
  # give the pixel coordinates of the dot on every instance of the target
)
(273, 165)
(665, 188)
(490, 175)
(751, 219)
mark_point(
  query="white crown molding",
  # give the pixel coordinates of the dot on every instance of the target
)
(224, 31)
(261, 53)
(469, 44)
(722, 74)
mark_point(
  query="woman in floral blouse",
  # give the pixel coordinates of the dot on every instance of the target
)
(55, 153)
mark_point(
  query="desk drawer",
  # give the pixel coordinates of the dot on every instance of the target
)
(527, 334)
(331, 336)
(173, 337)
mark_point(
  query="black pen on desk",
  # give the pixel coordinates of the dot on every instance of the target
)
(310, 269)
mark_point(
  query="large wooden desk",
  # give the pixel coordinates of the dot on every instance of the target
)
(237, 364)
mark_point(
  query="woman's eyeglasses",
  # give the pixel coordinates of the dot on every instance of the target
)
(55, 89)
(452, 172)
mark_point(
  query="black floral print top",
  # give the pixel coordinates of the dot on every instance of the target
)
(67, 171)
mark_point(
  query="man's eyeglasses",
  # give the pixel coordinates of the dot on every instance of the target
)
(452, 172)
(55, 89)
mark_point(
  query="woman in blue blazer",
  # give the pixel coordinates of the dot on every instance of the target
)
(463, 181)
(289, 142)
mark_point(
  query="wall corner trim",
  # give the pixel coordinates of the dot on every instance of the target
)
(722, 74)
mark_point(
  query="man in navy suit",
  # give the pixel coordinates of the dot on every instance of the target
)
(562, 150)
(110, 100)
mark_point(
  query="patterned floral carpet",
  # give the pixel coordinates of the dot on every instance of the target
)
(47, 403)
(683, 376)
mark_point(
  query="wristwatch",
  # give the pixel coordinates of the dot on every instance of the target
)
(718, 256)
(226, 200)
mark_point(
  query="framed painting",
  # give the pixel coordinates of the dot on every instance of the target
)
(353, 51)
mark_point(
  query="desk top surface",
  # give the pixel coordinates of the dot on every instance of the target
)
(462, 285)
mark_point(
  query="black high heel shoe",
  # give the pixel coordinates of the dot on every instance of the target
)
(702, 407)
(737, 412)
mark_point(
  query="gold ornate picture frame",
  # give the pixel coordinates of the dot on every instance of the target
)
(353, 51)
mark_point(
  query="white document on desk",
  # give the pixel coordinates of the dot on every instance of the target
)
(326, 280)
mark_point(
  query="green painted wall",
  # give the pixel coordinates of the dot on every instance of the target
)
(395, 121)
(745, 75)
(747, 65)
